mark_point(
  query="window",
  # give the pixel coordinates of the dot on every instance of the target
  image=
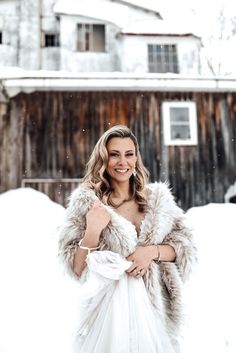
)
(0, 37)
(180, 123)
(163, 58)
(90, 37)
(51, 40)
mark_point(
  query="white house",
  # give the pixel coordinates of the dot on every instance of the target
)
(94, 36)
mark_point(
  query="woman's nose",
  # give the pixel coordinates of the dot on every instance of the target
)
(122, 160)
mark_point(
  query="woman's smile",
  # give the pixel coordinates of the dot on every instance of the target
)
(121, 158)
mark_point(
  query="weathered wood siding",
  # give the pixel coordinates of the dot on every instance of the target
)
(51, 135)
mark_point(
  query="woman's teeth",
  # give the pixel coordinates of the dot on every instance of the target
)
(122, 171)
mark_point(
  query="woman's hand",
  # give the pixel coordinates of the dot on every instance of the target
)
(97, 218)
(141, 258)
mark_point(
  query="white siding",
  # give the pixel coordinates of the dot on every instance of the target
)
(9, 22)
(135, 52)
(23, 24)
(72, 60)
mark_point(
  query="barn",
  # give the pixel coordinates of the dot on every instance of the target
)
(186, 127)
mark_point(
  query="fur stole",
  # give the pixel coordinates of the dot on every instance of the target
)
(164, 223)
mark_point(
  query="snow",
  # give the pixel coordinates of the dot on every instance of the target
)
(121, 15)
(164, 27)
(102, 10)
(38, 302)
(35, 298)
(210, 296)
(19, 80)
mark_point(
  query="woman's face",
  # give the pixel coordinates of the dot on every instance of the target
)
(121, 158)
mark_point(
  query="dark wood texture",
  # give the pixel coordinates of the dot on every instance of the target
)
(51, 135)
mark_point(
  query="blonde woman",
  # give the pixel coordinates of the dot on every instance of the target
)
(127, 242)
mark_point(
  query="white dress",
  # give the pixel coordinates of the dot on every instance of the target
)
(115, 313)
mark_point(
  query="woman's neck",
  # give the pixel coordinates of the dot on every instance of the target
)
(120, 190)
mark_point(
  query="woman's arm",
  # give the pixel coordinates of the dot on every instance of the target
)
(85, 219)
(144, 255)
(181, 240)
(97, 219)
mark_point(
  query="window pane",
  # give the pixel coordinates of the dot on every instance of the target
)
(51, 40)
(163, 58)
(179, 114)
(0, 37)
(98, 38)
(180, 132)
(80, 37)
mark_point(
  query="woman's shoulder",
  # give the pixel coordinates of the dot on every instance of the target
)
(160, 189)
(161, 198)
(83, 193)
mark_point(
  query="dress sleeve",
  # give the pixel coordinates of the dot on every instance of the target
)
(72, 229)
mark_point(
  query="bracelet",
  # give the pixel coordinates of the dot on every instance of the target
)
(158, 259)
(85, 247)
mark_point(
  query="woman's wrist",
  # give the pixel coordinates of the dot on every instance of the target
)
(85, 247)
(156, 253)
(90, 239)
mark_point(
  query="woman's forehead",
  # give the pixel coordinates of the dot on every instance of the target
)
(119, 143)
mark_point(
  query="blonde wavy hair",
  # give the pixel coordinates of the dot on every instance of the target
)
(97, 177)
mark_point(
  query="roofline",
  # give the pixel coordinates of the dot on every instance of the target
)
(147, 9)
(160, 34)
(116, 82)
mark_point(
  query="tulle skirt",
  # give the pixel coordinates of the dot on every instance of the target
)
(115, 313)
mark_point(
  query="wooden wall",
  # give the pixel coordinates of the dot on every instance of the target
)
(51, 135)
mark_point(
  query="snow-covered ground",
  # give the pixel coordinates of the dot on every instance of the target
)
(38, 302)
(36, 299)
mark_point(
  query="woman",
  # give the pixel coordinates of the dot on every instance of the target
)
(145, 252)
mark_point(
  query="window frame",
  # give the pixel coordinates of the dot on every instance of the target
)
(166, 119)
(164, 64)
(57, 39)
(88, 37)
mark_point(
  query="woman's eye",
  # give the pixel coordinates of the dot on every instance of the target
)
(113, 155)
(129, 154)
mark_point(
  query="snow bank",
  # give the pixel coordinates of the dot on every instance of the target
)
(35, 298)
(38, 303)
(210, 296)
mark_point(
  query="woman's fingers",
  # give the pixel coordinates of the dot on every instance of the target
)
(135, 271)
(132, 268)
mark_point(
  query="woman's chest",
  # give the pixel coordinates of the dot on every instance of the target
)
(130, 212)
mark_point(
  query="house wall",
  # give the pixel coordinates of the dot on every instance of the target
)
(50, 57)
(51, 135)
(72, 60)
(9, 22)
(24, 22)
(134, 53)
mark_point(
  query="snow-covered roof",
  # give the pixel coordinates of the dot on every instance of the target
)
(30, 81)
(118, 13)
(112, 10)
(102, 10)
(148, 5)
(152, 27)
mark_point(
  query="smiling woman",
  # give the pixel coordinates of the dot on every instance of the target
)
(144, 252)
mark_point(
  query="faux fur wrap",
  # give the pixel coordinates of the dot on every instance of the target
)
(164, 223)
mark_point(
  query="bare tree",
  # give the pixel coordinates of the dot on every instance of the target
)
(216, 45)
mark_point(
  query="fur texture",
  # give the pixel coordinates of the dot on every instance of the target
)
(164, 223)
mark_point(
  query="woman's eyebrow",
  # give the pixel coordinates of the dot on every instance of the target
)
(119, 151)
